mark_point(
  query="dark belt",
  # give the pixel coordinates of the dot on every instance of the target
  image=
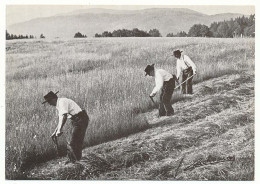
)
(187, 71)
(170, 80)
(80, 116)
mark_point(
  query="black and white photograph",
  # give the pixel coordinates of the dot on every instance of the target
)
(158, 92)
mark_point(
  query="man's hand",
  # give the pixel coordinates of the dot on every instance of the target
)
(58, 133)
(152, 94)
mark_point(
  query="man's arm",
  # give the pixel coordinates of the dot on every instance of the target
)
(61, 124)
(158, 84)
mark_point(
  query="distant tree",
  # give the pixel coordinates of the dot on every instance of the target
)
(213, 29)
(97, 35)
(170, 35)
(129, 33)
(195, 30)
(117, 33)
(231, 25)
(223, 30)
(41, 36)
(122, 33)
(136, 32)
(234, 27)
(106, 34)
(7, 35)
(154, 33)
(204, 31)
(139, 33)
(79, 35)
(250, 31)
(179, 34)
(199, 30)
(251, 20)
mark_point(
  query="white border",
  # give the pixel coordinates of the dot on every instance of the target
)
(134, 2)
(3, 3)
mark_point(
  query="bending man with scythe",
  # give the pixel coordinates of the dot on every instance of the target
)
(187, 68)
(165, 82)
(67, 108)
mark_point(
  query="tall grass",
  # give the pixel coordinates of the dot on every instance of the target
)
(104, 76)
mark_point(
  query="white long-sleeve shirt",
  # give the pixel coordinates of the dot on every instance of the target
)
(66, 106)
(160, 76)
(183, 63)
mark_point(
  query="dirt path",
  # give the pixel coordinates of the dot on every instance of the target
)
(210, 137)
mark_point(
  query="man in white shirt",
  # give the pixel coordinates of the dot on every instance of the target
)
(187, 68)
(165, 81)
(67, 108)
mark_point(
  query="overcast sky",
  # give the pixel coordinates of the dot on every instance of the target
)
(21, 13)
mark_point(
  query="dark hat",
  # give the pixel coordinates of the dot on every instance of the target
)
(148, 69)
(50, 96)
(177, 53)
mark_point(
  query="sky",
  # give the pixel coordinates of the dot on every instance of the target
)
(21, 13)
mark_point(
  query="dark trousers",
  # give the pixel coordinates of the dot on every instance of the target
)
(80, 124)
(187, 86)
(165, 107)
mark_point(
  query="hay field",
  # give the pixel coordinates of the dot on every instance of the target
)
(210, 137)
(104, 76)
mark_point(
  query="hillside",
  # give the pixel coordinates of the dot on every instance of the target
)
(85, 72)
(91, 21)
(211, 137)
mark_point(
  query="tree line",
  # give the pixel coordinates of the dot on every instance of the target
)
(130, 33)
(9, 36)
(238, 27)
(79, 35)
(13, 36)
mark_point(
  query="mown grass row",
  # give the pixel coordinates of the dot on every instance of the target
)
(104, 76)
(215, 126)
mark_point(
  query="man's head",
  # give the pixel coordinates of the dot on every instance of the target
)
(51, 98)
(149, 70)
(177, 53)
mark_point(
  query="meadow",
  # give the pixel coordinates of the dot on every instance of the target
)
(104, 76)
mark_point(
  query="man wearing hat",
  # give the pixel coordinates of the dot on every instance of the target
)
(67, 108)
(165, 81)
(187, 68)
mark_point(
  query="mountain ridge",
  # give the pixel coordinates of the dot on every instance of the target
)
(91, 21)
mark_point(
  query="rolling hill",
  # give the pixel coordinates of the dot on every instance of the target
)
(91, 21)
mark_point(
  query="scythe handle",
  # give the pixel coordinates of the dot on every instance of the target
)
(184, 81)
(55, 140)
